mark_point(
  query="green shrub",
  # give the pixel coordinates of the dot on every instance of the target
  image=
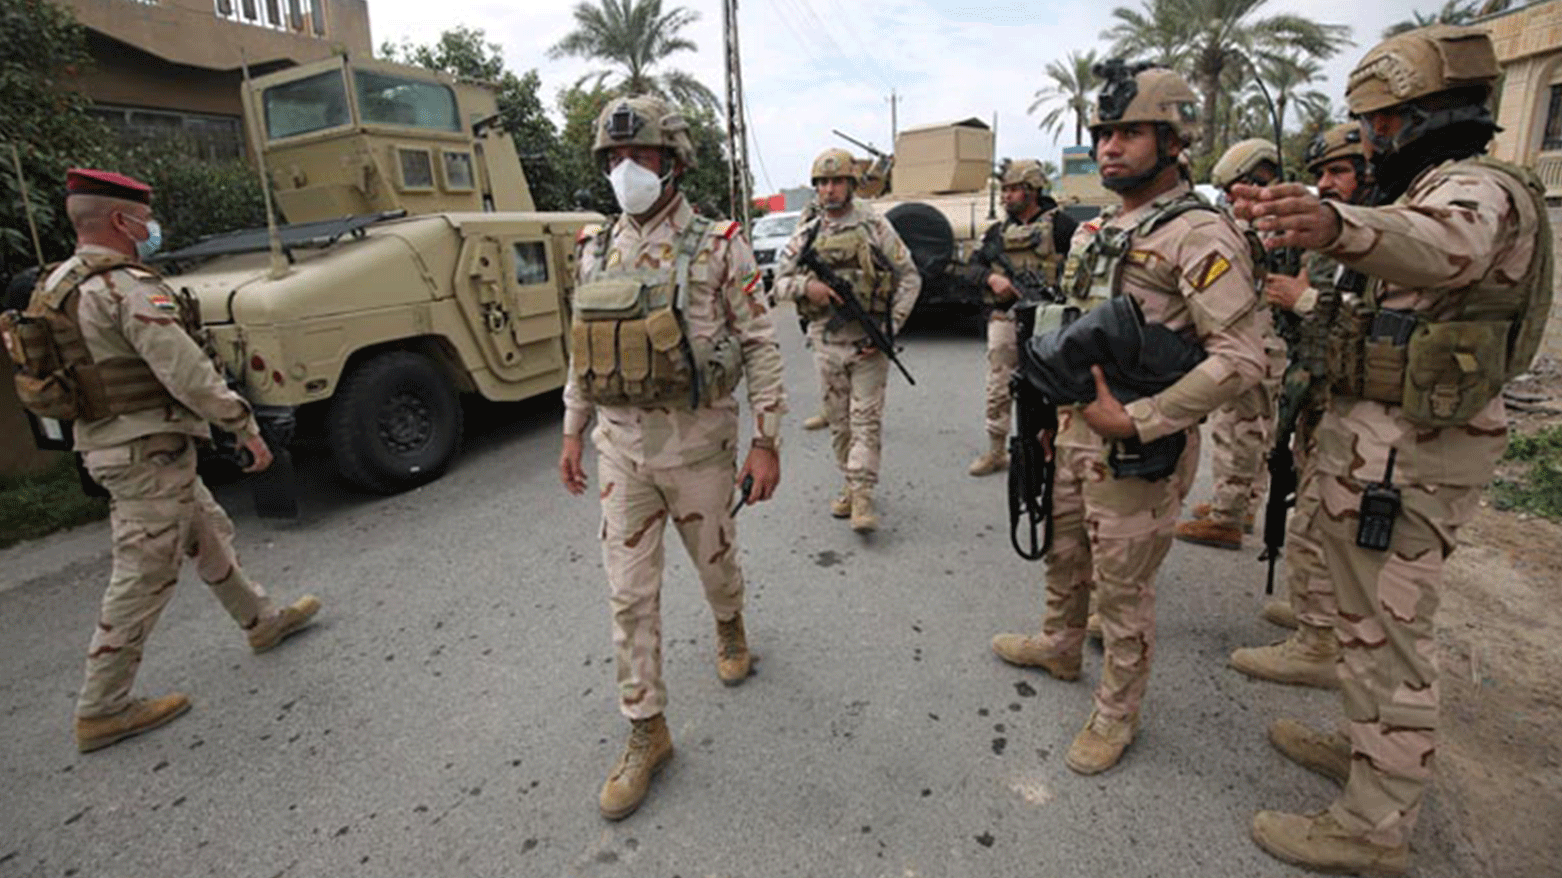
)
(35, 505)
(1539, 489)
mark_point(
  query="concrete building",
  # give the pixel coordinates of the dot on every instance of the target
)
(1529, 109)
(175, 66)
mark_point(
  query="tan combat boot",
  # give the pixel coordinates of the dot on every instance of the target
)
(1202, 511)
(1318, 842)
(143, 715)
(284, 623)
(994, 459)
(1306, 658)
(1279, 613)
(1327, 753)
(864, 519)
(1100, 744)
(733, 662)
(815, 422)
(841, 506)
(1028, 652)
(1205, 532)
(649, 748)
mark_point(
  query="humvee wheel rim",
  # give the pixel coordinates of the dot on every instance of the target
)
(405, 423)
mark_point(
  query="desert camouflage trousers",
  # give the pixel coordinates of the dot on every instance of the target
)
(1110, 534)
(637, 503)
(853, 384)
(1241, 433)
(1003, 356)
(1308, 585)
(1388, 666)
(159, 513)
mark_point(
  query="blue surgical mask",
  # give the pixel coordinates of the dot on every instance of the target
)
(154, 238)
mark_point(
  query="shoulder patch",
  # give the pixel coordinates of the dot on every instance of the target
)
(1209, 270)
(162, 301)
(729, 229)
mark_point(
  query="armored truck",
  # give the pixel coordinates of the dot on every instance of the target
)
(937, 190)
(412, 268)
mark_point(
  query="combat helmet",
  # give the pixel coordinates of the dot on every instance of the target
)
(1429, 61)
(643, 120)
(1023, 172)
(833, 162)
(1343, 141)
(1241, 160)
(1144, 93)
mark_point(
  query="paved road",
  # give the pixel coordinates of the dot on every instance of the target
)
(453, 712)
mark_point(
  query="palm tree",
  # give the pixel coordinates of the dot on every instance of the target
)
(635, 36)
(1217, 35)
(1158, 34)
(1287, 75)
(1453, 12)
(1073, 85)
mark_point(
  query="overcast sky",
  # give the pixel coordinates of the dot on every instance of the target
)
(813, 65)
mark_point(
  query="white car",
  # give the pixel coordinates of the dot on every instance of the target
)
(771, 232)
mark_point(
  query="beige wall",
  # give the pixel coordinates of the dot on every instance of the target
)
(190, 33)
(1529, 47)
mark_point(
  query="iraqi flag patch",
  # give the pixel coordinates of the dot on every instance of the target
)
(162, 302)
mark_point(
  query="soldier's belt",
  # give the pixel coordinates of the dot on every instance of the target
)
(1440, 373)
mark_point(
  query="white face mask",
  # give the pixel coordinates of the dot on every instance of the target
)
(635, 187)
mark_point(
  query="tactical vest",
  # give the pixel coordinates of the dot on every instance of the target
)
(1094, 273)
(850, 253)
(1030, 246)
(1443, 372)
(631, 345)
(56, 376)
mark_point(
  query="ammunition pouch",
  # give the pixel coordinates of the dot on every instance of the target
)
(631, 346)
(1440, 374)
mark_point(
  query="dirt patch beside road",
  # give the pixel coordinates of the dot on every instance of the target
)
(1499, 759)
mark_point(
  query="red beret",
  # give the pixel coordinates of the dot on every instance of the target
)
(85, 181)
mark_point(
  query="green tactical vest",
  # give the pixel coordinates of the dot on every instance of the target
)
(56, 376)
(850, 253)
(1449, 370)
(1094, 273)
(630, 343)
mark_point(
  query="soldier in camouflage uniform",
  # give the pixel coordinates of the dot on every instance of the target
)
(1241, 431)
(1188, 267)
(1307, 657)
(138, 440)
(861, 247)
(1461, 267)
(1032, 240)
(660, 290)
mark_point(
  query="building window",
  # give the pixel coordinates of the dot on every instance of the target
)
(209, 137)
(293, 16)
(1552, 138)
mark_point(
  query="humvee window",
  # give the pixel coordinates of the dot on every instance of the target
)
(458, 170)
(531, 263)
(392, 100)
(304, 105)
(417, 168)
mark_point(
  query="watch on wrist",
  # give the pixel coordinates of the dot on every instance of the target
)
(769, 443)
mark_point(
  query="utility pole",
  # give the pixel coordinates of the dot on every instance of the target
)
(739, 188)
(894, 127)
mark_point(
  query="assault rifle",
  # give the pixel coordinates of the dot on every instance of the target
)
(849, 306)
(1032, 284)
(1304, 374)
(1031, 469)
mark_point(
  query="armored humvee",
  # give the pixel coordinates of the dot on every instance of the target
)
(412, 268)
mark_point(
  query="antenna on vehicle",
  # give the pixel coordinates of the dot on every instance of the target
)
(992, 162)
(27, 204)
(278, 263)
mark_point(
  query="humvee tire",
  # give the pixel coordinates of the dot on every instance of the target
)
(395, 423)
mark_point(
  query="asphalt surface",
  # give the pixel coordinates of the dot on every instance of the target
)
(453, 711)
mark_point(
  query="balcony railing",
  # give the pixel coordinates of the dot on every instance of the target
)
(1548, 166)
